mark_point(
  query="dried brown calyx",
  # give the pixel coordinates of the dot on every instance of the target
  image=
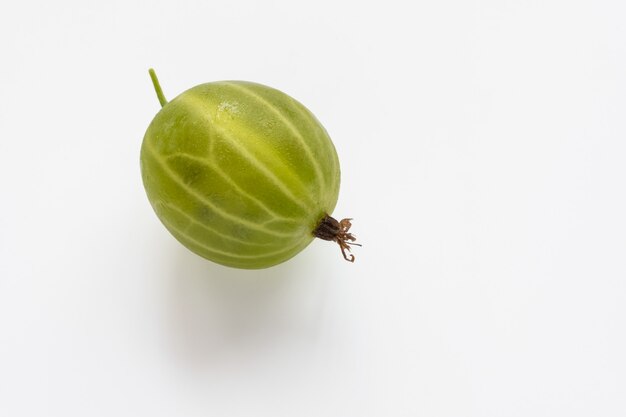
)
(337, 231)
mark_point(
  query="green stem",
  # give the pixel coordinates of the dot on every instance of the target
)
(157, 87)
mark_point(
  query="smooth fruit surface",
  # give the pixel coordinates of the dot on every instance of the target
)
(240, 173)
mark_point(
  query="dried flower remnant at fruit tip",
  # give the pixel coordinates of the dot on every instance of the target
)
(337, 231)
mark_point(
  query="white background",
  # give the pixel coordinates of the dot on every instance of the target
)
(483, 149)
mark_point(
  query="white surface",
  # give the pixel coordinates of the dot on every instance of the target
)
(483, 148)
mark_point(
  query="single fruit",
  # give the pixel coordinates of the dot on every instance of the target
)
(242, 174)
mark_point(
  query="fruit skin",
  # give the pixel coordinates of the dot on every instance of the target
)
(240, 173)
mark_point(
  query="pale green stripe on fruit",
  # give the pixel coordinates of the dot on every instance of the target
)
(198, 104)
(206, 162)
(181, 235)
(207, 202)
(193, 221)
(239, 263)
(296, 133)
(322, 138)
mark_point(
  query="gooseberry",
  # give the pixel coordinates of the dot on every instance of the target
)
(242, 174)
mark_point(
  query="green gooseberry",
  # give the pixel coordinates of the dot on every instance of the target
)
(242, 174)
